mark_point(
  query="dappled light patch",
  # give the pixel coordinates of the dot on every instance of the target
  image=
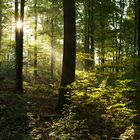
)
(107, 108)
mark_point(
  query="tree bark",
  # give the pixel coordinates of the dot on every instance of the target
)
(69, 51)
(52, 43)
(139, 30)
(92, 41)
(0, 23)
(138, 65)
(35, 39)
(0, 29)
(19, 45)
(102, 49)
(92, 30)
(87, 38)
(52, 50)
(135, 28)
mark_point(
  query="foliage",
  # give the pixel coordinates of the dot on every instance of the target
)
(98, 110)
(70, 126)
(128, 134)
(107, 108)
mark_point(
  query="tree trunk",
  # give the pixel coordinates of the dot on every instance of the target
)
(52, 51)
(52, 43)
(139, 30)
(135, 37)
(135, 28)
(138, 67)
(119, 58)
(35, 39)
(92, 42)
(102, 45)
(0, 30)
(92, 29)
(87, 32)
(0, 22)
(19, 46)
(69, 51)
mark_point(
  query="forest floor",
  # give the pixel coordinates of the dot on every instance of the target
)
(41, 104)
(31, 115)
(28, 116)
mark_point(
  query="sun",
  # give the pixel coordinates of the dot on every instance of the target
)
(19, 24)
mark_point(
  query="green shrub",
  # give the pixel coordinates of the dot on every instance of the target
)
(97, 110)
(107, 108)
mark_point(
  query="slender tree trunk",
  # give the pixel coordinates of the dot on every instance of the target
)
(135, 28)
(139, 29)
(138, 67)
(19, 46)
(0, 23)
(87, 33)
(122, 6)
(116, 43)
(35, 40)
(52, 51)
(92, 43)
(113, 52)
(17, 43)
(135, 37)
(92, 29)
(0, 30)
(69, 51)
(102, 45)
(52, 43)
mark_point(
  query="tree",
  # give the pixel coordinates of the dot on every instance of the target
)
(19, 44)
(135, 28)
(89, 32)
(139, 29)
(69, 51)
(52, 42)
(0, 21)
(0, 28)
(35, 39)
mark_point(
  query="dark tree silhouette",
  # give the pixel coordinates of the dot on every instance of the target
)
(0, 27)
(19, 45)
(139, 29)
(0, 21)
(69, 51)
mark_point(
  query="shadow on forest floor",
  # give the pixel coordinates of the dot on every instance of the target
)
(31, 115)
(13, 117)
(25, 119)
(28, 116)
(41, 103)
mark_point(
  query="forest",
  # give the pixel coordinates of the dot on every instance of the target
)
(69, 69)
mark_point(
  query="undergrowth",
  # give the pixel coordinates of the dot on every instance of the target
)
(98, 111)
(101, 108)
(13, 118)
